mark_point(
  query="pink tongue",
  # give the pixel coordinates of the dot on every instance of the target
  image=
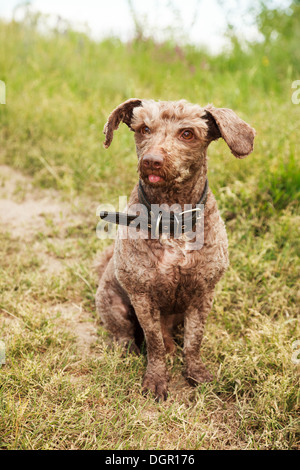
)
(154, 178)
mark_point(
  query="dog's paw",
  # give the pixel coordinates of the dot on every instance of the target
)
(157, 385)
(198, 375)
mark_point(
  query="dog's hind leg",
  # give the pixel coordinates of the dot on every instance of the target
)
(115, 310)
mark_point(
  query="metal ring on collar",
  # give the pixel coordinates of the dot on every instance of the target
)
(159, 217)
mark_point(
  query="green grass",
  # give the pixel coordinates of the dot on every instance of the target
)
(63, 386)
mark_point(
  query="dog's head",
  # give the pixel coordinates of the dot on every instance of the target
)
(172, 136)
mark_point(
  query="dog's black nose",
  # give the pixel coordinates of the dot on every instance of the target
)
(152, 161)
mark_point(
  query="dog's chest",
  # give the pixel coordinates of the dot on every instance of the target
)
(173, 256)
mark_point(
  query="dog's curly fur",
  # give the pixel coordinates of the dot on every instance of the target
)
(151, 285)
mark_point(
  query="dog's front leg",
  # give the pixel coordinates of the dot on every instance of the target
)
(156, 377)
(194, 322)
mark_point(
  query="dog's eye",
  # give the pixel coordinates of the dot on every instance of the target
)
(145, 130)
(187, 134)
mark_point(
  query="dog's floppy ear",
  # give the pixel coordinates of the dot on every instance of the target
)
(238, 135)
(123, 113)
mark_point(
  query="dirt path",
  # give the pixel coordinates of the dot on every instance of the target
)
(26, 211)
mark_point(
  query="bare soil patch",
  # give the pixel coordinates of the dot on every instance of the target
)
(26, 211)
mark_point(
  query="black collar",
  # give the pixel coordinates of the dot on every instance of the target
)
(162, 221)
